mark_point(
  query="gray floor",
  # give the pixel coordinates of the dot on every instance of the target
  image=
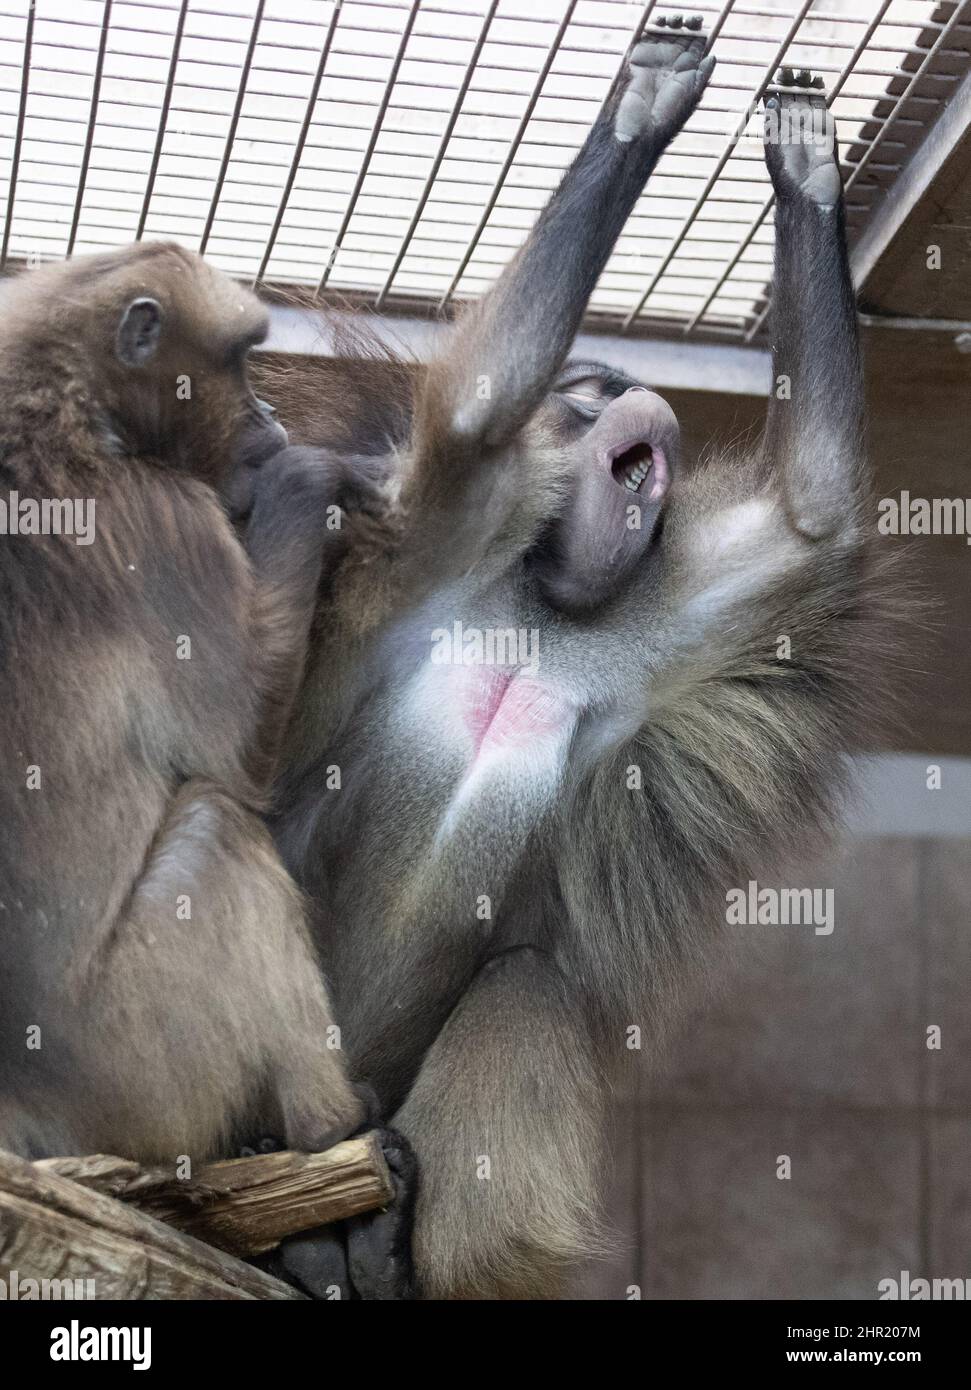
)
(815, 1047)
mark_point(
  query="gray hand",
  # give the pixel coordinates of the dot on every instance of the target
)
(668, 73)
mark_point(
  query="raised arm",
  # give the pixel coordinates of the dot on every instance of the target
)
(507, 351)
(814, 431)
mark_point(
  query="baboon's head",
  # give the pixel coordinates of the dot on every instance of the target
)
(157, 342)
(617, 446)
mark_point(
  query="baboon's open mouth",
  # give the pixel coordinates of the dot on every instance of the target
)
(632, 464)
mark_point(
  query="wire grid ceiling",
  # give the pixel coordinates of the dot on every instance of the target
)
(401, 151)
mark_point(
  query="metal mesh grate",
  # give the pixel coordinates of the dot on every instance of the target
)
(400, 151)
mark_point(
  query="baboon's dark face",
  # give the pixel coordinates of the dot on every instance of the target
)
(619, 443)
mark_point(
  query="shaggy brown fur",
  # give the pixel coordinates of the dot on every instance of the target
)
(672, 751)
(158, 990)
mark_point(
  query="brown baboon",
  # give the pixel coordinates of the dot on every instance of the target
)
(159, 994)
(517, 851)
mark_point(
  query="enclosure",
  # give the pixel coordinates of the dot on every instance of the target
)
(805, 1131)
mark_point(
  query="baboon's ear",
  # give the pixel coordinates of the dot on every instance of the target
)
(139, 332)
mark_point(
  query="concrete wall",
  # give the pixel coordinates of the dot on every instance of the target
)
(814, 1047)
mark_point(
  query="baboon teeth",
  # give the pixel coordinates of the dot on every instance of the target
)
(631, 466)
(635, 475)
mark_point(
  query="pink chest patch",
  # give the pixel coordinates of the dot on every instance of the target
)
(506, 710)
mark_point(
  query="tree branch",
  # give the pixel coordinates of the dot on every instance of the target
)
(106, 1219)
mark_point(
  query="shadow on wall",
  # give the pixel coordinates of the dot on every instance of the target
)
(820, 1050)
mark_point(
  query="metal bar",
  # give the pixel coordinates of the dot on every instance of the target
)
(19, 136)
(338, 100)
(471, 137)
(469, 73)
(831, 97)
(913, 184)
(92, 123)
(233, 123)
(308, 117)
(408, 213)
(822, 16)
(904, 96)
(486, 91)
(163, 119)
(738, 371)
(912, 325)
(368, 153)
(511, 155)
(914, 77)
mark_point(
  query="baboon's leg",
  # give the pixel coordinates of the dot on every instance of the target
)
(208, 985)
(505, 1119)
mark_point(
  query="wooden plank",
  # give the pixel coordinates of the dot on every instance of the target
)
(246, 1206)
(53, 1228)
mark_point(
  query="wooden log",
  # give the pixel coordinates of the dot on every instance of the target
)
(54, 1229)
(246, 1206)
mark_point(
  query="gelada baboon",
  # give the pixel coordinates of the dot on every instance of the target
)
(517, 853)
(159, 995)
